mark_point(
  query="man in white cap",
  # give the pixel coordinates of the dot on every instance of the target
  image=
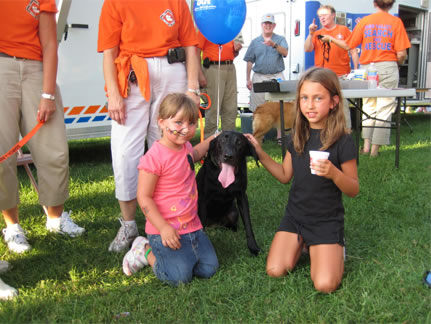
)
(265, 57)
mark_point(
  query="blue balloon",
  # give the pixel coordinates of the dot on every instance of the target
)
(220, 21)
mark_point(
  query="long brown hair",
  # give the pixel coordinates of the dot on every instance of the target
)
(335, 124)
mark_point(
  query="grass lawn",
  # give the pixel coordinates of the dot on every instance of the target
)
(388, 241)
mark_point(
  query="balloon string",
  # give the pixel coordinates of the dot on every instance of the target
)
(220, 48)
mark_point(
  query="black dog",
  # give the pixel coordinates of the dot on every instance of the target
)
(222, 179)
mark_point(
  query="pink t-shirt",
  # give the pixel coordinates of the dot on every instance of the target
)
(176, 194)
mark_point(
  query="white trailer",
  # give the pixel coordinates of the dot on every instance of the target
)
(294, 16)
(80, 69)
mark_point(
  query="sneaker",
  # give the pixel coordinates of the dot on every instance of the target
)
(7, 292)
(64, 225)
(135, 259)
(15, 238)
(125, 236)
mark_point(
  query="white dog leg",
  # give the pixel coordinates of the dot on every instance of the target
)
(7, 292)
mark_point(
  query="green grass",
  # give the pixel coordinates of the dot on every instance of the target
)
(388, 244)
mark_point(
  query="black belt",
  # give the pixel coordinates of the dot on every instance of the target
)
(222, 62)
(7, 55)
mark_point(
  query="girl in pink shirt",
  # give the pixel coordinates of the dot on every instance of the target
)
(177, 248)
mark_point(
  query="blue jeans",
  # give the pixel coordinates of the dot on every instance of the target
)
(196, 257)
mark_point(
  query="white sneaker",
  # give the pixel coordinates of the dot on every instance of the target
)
(135, 259)
(64, 225)
(125, 236)
(4, 266)
(15, 238)
(7, 292)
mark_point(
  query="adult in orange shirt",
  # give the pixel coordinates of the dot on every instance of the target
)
(384, 42)
(336, 58)
(28, 93)
(225, 81)
(135, 37)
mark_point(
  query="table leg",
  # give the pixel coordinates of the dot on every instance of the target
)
(398, 130)
(283, 132)
(358, 108)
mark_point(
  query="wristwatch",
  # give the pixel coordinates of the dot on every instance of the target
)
(275, 45)
(195, 91)
(47, 96)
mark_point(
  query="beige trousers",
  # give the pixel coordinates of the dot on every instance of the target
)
(228, 107)
(258, 98)
(20, 90)
(380, 108)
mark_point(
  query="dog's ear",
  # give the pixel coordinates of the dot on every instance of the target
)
(252, 152)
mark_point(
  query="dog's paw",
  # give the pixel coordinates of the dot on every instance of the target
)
(254, 248)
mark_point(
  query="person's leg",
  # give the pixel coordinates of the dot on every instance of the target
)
(10, 99)
(369, 107)
(207, 264)
(127, 146)
(385, 107)
(283, 254)
(257, 98)
(229, 106)
(51, 158)
(327, 266)
(211, 89)
(173, 266)
(347, 116)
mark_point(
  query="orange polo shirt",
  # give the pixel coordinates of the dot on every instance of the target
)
(143, 28)
(382, 35)
(19, 25)
(339, 60)
(211, 50)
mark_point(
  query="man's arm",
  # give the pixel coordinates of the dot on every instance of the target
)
(248, 72)
(116, 106)
(355, 57)
(308, 46)
(401, 57)
(192, 67)
(48, 41)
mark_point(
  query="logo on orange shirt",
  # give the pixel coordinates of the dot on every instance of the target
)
(33, 8)
(168, 18)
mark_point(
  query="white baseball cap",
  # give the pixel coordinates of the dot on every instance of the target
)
(268, 18)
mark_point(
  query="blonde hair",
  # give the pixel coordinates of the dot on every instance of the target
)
(328, 7)
(335, 124)
(173, 103)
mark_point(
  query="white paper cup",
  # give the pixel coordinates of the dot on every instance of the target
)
(317, 155)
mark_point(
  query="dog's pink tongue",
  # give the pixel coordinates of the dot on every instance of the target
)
(227, 175)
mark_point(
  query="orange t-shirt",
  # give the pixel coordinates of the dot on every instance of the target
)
(211, 50)
(145, 28)
(19, 25)
(382, 35)
(339, 60)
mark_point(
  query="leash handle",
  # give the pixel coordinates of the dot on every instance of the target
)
(22, 142)
(201, 121)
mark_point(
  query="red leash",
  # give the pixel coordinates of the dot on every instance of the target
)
(201, 121)
(22, 142)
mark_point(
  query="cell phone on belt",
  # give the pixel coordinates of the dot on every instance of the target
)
(176, 55)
